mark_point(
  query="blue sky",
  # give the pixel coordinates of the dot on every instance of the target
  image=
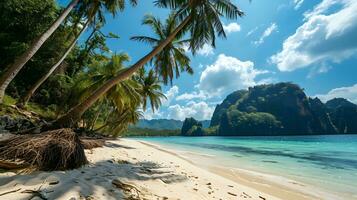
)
(309, 42)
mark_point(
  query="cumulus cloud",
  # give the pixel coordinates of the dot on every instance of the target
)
(227, 74)
(198, 110)
(170, 95)
(189, 96)
(268, 31)
(231, 28)
(322, 38)
(349, 93)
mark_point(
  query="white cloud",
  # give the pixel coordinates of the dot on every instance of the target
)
(298, 4)
(148, 114)
(322, 38)
(206, 50)
(227, 74)
(231, 28)
(273, 27)
(190, 96)
(198, 110)
(349, 93)
(170, 95)
(267, 81)
(252, 31)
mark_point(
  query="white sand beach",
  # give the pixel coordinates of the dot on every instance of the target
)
(129, 169)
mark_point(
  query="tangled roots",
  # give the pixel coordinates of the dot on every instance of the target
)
(52, 150)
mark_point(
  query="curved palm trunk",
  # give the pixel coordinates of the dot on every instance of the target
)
(20, 61)
(73, 116)
(23, 101)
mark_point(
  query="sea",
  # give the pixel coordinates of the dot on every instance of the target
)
(327, 162)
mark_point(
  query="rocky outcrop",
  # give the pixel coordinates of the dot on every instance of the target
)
(192, 127)
(282, 109)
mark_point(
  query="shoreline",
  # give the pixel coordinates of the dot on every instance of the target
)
(278, 186)
(132, 169)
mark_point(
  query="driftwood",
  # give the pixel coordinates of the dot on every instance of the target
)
(12, 191)
(129, 189)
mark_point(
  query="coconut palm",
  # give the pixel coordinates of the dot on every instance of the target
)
(12, 70)
(127, 97)
(172, 59)
(24, 99)
(200, 17)
(91, 8)
(150, 89)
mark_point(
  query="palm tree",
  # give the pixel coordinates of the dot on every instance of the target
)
(24, 99)
(126, 97)
(172, 59)
(150, 89)
(91, 8)
(200, 17)
(20, 61)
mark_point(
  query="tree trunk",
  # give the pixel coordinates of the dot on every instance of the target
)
(94, 120)
(74, 114)
(16, 66)
(84, 55)
(23, 101)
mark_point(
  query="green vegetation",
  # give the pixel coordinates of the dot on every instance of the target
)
(282, 109)
(145, 132)
(45, 71)
(192, 128)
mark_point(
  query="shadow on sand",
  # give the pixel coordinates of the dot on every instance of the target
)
(93, 181)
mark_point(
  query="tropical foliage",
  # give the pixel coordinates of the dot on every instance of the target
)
(83, 83)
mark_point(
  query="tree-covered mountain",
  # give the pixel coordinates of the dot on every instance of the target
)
(343, 114)
(281, 109)
(192, 127)
(159, 124)
(164, 124)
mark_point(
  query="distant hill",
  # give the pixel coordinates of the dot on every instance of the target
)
(279, 109)
(164, 124)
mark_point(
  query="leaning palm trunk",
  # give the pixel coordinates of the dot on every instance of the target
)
(74, 115)
(16, 66)
(23, 101)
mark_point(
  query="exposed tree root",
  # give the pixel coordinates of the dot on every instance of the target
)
(90, 143)
(52, 150)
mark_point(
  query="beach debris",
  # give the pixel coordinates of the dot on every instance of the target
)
(230, 193)
(123, 162)
(59, 149)
(128, 189)
(12, 191)
(230, 186)
(245, 195)
(263, 198)
(35, 193)
(53, 182)
(209, 184)
(91, 143)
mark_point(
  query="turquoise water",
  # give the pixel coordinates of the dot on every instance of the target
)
(326, 162)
